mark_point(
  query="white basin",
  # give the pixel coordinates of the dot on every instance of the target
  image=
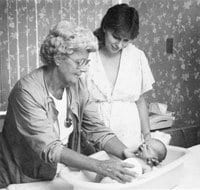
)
(166, 177)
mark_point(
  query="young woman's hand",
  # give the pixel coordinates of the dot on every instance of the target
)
(147, 136)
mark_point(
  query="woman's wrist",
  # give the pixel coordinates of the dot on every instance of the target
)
(147, 136)
(128, 153)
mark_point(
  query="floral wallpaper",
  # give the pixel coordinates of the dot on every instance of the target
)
(177, 74)
(25, 23)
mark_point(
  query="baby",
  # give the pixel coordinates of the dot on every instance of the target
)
(150, 153)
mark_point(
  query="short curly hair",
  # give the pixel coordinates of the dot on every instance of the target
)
(66, 36)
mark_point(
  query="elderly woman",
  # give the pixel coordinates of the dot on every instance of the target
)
(43, 104)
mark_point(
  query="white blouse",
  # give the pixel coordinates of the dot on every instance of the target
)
(134, 76)
(117, 106)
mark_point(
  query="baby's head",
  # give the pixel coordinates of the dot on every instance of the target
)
(152, 152)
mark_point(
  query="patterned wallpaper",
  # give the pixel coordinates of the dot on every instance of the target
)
(177, 74)
(25, 23)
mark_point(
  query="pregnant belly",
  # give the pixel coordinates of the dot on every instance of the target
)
(123, 119)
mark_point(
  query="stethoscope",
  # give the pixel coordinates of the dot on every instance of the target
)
(68, 120)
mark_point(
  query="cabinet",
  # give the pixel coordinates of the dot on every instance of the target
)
(183, 135)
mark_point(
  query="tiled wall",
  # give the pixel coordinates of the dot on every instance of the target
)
(177, 75)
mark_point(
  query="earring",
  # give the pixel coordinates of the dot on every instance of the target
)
(57, 61)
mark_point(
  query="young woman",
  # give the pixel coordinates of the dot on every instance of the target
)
(119, 75)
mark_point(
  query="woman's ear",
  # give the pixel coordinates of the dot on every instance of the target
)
(57, 60)
(69, 51)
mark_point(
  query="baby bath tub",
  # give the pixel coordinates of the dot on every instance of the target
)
(165, 177)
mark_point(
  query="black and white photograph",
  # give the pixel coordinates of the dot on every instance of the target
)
(99, 94)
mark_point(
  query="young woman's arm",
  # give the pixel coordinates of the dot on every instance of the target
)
(144, 117)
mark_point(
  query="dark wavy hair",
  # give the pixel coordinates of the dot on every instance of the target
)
(122, 20)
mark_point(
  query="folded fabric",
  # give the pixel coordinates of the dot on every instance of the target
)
(164, 137)
(158, 108)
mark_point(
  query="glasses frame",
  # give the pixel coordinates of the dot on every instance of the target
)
(82, 63)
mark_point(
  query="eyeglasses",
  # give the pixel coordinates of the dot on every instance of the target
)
(80, 63)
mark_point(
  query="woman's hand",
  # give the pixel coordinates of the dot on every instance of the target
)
(147, 136)
(129, 153)
(116, 170)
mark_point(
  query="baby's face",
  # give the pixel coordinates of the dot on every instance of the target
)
(148, 152)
